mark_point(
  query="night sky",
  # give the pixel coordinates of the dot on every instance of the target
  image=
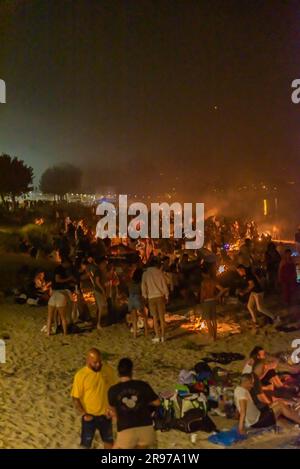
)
(194, 90)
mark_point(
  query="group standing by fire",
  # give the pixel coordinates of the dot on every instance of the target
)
(136, 280)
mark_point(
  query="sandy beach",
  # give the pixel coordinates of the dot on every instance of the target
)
(35, 382)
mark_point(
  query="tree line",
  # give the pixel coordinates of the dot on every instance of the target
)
(16, 179)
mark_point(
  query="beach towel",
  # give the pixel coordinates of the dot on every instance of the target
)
(227, 438)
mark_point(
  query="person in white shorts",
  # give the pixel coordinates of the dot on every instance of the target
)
(61, 295)
(57, 303)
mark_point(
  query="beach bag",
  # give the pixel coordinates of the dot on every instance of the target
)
(193, 401)
(195, 420)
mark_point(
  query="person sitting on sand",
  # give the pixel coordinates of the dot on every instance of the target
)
(90, 397)
(39, 290)
(270, 379)
(131, 401)
(268, 387)
(252, 417)
(42, 288)
(258, 394)
(257, 353)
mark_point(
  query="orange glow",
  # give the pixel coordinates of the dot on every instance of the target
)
(265, 207)
(224, 328)
(88, 297)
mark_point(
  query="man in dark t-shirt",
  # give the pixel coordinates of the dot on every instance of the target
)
(256, 295)
(132, 402)
(255, 284)
(63, 277)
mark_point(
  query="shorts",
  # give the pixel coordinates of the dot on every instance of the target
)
(266, 419)
(88, 430)
(157, 307)
(58, 299)
(135, 302)
(142, 437)
(209, 310)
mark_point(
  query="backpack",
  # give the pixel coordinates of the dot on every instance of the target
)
(202, 367)
(203, 371)
(164, 416)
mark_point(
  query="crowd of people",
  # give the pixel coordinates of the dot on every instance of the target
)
(134, 280)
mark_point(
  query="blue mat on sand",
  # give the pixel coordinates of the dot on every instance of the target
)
(229, 437)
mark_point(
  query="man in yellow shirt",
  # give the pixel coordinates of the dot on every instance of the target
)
(90, 396)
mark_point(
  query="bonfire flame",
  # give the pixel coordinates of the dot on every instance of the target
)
(89, 297)
(195, 324)
(199, 325)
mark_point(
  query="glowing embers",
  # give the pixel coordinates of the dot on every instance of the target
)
(88, 297)
(225, 326)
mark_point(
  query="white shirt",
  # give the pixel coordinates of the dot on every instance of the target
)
(247, 369)
(252, 412)
(154, 284)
